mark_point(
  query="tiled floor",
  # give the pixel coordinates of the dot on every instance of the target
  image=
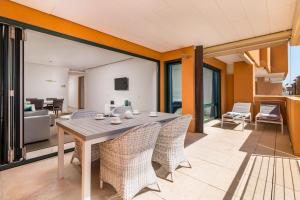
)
(227, 164)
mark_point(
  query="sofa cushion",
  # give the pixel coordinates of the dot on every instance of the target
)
(28, 107)
(268, 117)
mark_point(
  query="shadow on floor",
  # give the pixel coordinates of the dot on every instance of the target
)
(269, 167)
(233, 126)
(51, 142)
(192, 138)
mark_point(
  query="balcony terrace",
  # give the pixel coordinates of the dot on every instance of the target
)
(226, 164)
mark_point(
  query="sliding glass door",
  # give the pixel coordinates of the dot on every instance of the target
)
(11, 94)
(173, 87)
(211, 93)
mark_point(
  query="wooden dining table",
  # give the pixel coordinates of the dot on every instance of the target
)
(92, 131)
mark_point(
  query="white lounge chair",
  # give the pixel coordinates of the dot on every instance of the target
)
(240, 112)
(269, 113)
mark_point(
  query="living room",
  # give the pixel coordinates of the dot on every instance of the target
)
(62, 76)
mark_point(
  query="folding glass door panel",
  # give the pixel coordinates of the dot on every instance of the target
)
(173, 87)
(11, 91)
(4, 37)
(211, 93)
(16, 90)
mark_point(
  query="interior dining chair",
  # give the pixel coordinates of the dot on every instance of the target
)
(58, 105)
(38, 103)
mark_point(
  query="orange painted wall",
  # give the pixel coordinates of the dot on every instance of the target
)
(244, 84)
(34, 17)
(229, 92)
(293, 116)
(279, 59)
(263, 87)
(221, 66)
(187, 56)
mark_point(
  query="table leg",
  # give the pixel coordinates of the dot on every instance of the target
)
(86, 171)
(60, 153)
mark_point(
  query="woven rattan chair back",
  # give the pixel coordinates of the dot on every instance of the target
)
(125, 162)
(138, 139)
(80, 114)
(120, 110)
(175, 130)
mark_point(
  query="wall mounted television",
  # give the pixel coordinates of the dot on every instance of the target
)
(121, 83)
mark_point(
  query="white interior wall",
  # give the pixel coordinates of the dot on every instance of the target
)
(142, 74)
(42, 81)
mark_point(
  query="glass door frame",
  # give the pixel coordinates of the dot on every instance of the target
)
(218, 88)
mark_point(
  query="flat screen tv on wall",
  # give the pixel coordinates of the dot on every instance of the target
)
(121, 83)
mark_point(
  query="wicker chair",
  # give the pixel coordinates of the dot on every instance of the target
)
(169, 149)
(125, 162)
(95, 148)
(120, 110)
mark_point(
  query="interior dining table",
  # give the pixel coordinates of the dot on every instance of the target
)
(91, 131)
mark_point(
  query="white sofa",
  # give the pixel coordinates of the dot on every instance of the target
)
(36, 126)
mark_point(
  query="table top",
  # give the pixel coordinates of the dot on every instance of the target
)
(88, 129)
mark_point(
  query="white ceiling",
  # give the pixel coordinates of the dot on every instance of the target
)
(165, 25)
(49, 50)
